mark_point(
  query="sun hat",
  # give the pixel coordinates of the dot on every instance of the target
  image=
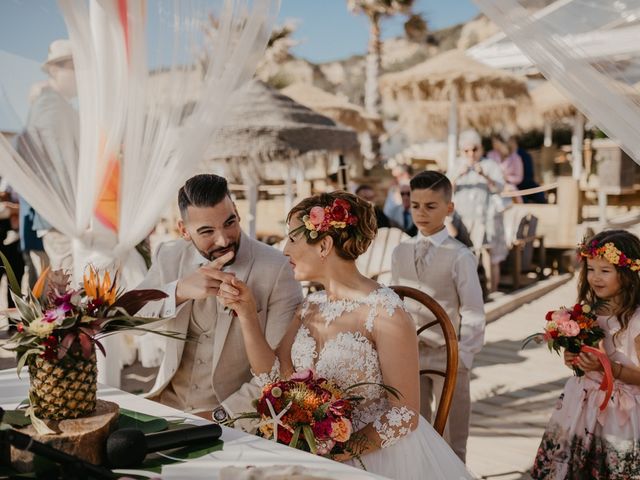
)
(59, 51)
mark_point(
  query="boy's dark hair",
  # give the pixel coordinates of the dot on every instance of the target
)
(629, 300)
(205, 190)
(362, 187)
(432, 180)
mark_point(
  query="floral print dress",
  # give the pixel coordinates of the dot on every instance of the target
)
(582, 442)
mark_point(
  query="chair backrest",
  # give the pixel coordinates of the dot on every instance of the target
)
(527, 232)
(376, 261)
(451, 343)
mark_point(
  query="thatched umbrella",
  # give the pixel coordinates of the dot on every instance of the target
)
(488, 96)
(554, 106)
(269, 135)
(339, 109)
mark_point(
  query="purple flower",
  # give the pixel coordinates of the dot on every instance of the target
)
(57, 314)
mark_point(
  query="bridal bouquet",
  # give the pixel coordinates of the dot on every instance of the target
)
(307, 413)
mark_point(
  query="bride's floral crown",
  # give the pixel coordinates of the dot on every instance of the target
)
(322, 219)
(608, 252)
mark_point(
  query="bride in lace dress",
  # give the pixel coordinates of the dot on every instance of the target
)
(355, 330)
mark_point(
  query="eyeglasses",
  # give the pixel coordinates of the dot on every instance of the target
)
(467, 150)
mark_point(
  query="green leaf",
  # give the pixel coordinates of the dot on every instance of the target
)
(14, 285)
(26, 311)
(308, 436)
(141, 421)
(25, 356)
(16, 418)
(294, 438)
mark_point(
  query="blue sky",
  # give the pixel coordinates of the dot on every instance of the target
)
(326, 31)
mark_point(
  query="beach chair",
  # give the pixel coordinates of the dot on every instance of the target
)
(375, 263)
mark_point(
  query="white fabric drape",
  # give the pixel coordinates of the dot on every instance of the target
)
(142, 130)
(577, 45)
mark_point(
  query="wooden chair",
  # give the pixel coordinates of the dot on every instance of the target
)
(451, 342)
(520, 259)
(375, 263)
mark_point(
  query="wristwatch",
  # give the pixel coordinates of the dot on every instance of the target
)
(219, 415)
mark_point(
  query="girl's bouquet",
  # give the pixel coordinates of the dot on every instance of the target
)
(570, 329)
(576, 330)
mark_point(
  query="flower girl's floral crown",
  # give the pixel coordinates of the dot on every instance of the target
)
(321, 219)
(608, 252)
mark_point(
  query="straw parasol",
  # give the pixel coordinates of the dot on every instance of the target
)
(339, 109)
(270, 136)
(553, 106)
(487, 96)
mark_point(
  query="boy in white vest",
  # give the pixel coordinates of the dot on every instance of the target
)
(446, 269)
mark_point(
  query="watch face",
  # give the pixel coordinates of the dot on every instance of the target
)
(219, 414)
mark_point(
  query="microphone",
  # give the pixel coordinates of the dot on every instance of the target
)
(128, 447)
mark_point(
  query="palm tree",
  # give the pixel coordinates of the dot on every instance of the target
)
(376, 10)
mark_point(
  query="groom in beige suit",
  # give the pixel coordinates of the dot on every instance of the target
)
(210, 373)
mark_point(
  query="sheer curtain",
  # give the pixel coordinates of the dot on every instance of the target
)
(143, 128)
(589, 50)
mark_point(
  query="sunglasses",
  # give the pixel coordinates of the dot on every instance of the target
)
(467, 150)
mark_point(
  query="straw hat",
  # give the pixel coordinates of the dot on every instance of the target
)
(59, 51)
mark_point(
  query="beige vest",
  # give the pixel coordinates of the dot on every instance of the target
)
(437, 282)
(191, 388)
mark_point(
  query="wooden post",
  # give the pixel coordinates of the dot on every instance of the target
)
(452, 139)
(577, 138)
(548, 134)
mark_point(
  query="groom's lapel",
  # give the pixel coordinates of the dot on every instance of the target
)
(241, 267)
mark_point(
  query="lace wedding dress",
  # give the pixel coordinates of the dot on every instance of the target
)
(337, 339)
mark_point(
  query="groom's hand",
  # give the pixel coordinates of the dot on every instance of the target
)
(237, 295)
(205, 281)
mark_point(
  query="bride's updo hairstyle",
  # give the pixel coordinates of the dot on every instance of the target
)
(348, 219)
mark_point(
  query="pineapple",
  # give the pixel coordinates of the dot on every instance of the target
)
(62, 389)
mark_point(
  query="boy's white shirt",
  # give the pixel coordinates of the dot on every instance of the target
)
(465, 277)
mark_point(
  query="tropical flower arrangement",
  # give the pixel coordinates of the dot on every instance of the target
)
(570, 328)
(310, 413)
(321, 219)
(58, 328)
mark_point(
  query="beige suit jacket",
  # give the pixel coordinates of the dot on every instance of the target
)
(268, 274)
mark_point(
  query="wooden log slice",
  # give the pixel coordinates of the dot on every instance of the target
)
(82, 437)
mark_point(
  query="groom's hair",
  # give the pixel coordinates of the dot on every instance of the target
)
(205, 190)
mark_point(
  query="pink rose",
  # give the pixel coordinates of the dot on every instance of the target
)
(316, 215)
(561, 316)
(303, 375)
(569, 328)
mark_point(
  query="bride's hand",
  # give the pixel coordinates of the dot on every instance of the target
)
(237, 296)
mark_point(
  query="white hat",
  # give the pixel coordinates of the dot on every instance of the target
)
(59, 51)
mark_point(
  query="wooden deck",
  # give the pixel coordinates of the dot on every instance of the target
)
(514, 391)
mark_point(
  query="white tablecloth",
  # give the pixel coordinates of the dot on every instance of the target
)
(239, 449)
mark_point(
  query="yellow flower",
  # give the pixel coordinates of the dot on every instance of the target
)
(106, 291)
(586, 308)
(41, 329)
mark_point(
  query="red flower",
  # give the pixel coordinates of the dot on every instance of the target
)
(284, 435)
(20, 327)
(577, 309)
(338, 212)
(548, 316)
(553, 333)
(322, 429)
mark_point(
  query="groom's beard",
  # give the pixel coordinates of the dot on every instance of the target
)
(218, 252)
